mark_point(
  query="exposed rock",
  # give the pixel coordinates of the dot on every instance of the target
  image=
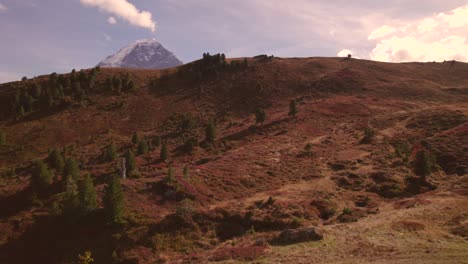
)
(292, 236)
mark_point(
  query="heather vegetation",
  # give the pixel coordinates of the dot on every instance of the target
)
(230, 174)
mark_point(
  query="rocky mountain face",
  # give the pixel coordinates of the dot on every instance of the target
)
(146, 54)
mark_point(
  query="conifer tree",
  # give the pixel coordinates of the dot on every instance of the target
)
(113, 200)
(135, 138)
(170, 177)
(110, 153)
(260, 116)
(210, 132)
(308, 149)
(164, 153)
(142, 147)
(21, 111)
(130, 159)
(41, 177)
(293, 109)
(71, 169)
(157, 141)
(87, 195)
(56, 160)
(70, 200)
(423, 163)
(186, 172)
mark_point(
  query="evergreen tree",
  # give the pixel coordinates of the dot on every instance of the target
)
(293, 109)
(70, 200)
(87, 195)
(56, 160)
(142, 147)
(157, 141)
(170, 174)
(113, 200)
(110, 153)
(71, 169)
(21, 111)
(164, 153)
(135, 138)
(41, 177)
(308, 149)
(191, 144)
(210, 132)
(260, 116)
(423, 163)
(130, 159)
(131, 86)
(186, 172)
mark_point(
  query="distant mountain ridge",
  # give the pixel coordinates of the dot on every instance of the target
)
(145, 53)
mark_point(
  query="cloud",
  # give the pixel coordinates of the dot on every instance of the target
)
(438, 37)
(124, 10)
(3, 8)
(111, 20)
(344, 53)
(381, 32)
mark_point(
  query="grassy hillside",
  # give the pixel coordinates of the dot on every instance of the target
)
(346, 164)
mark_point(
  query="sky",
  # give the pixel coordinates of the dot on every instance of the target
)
(44, 36)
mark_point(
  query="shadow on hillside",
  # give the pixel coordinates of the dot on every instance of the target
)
(56, 240)
(41, 114)
(17, 202)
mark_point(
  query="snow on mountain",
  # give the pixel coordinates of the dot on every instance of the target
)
(146, 53)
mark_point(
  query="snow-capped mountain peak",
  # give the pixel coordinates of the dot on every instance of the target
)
(145, 53)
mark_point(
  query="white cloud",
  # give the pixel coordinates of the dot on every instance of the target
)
(382, 32)
(111, 20)
(125, 10)
(344, 53)
(439, 37)
(3, 8)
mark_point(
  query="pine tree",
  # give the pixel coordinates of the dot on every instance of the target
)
(70, 200)
(164, 152)
(170, 174)
(87, 195)
(260, 116)
(130, 159)
(135, 138)
(210, 132)
(186, 172)
(21, 111)
(423, 163)
(56, 160)
(41, 177)
(113, 200)
(71, 169)
(191, 144)
(308, 149)
(157, 141)
(142, 147)
(110, 153)
(293, 109)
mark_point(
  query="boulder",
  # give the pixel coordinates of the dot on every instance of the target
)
(292, 236)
